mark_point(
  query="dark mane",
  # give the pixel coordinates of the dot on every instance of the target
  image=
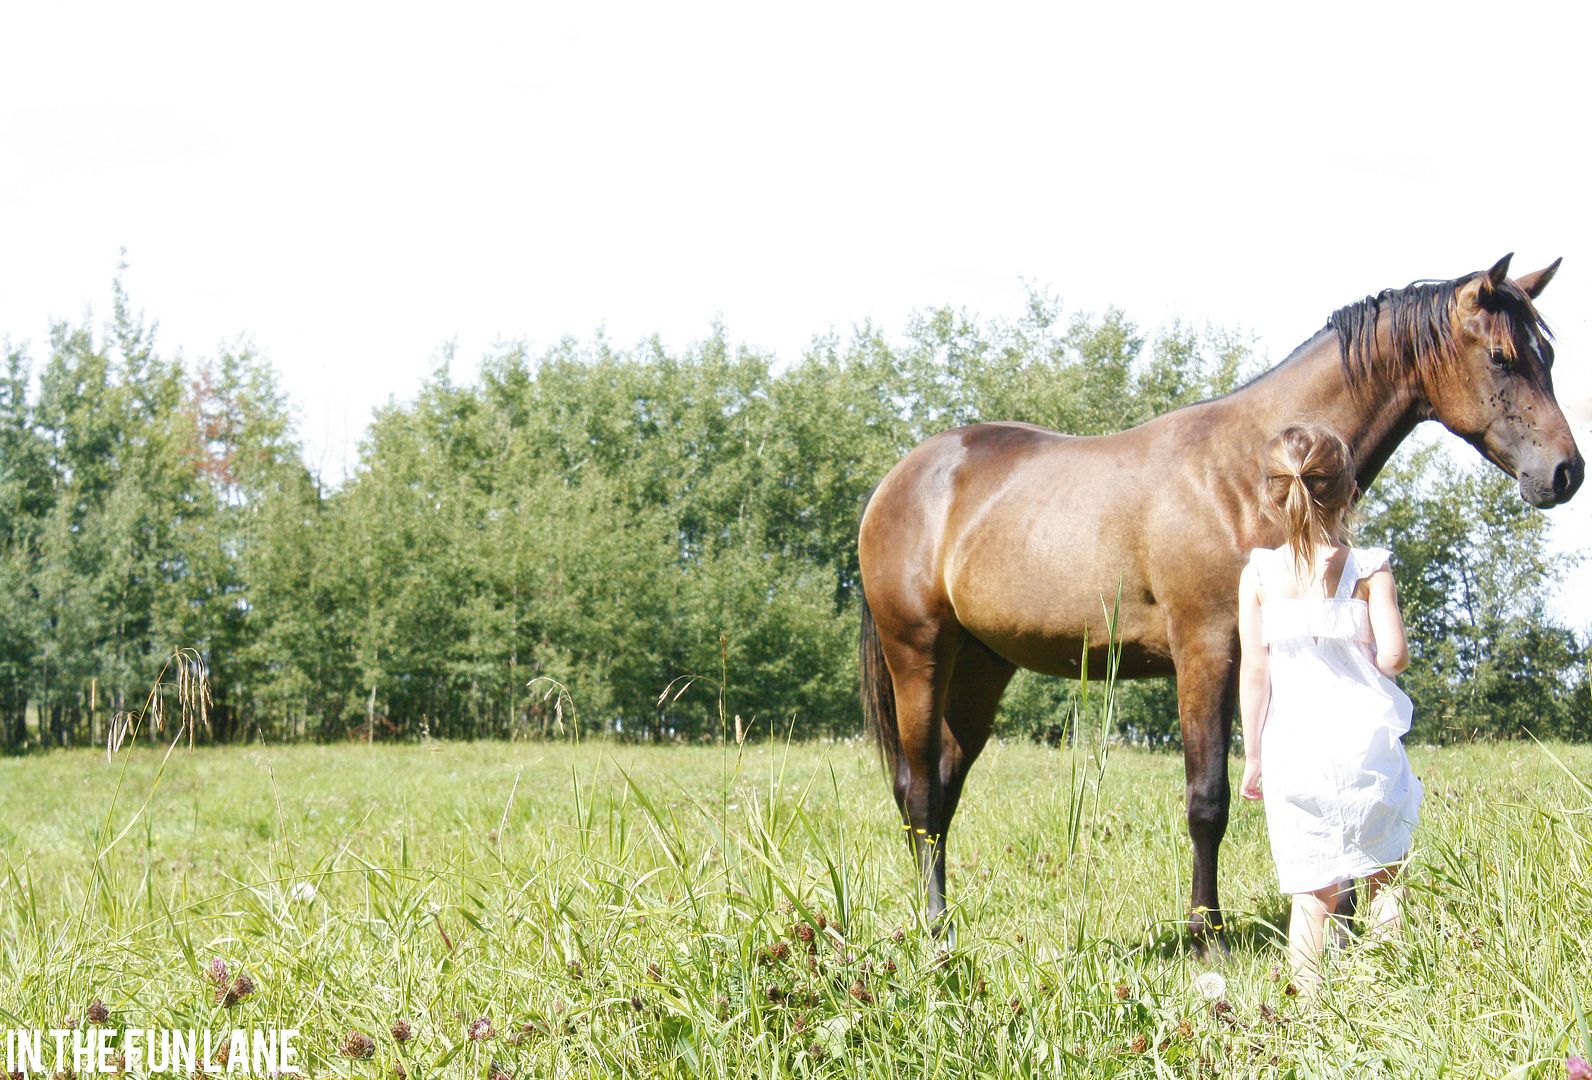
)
(1423, 327)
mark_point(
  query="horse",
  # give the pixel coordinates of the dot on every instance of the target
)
(1004, 545)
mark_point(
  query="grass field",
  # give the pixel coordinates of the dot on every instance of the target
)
(723, 911)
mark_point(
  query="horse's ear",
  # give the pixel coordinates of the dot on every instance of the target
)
(1480, 285)
(1533, 283)
(1499, 271)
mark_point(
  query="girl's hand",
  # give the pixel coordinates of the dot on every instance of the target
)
(1251, 783)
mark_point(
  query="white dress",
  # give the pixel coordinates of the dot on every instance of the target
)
(1340, 798)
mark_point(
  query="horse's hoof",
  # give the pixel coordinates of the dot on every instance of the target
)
(947, 933)
(1205, 931)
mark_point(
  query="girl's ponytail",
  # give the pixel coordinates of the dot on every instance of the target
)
(1309, 489)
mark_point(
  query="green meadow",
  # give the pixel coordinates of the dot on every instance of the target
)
(585, 909)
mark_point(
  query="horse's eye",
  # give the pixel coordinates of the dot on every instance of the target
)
(1499, 359)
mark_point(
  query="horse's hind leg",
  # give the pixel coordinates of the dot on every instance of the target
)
(977, 683)
(920, 675)
(945, 708)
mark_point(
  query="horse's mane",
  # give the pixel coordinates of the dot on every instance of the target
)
(1423, 327)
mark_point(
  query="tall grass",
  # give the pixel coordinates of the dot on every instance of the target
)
(746, 909)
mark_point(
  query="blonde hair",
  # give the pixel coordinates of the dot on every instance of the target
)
(1308, 488)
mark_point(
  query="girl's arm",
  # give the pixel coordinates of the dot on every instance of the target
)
(1254, 679)
(1387, 625)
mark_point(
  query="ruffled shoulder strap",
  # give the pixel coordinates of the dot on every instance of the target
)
(1363, 562)
(1368, 561)
(1263, 560)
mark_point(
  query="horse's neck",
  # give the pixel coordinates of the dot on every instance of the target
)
(1310, 385)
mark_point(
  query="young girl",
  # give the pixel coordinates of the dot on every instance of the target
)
(1322, 638)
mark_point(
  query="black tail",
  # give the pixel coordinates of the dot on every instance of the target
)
(878, 692)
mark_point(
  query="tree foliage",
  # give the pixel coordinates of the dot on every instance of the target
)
(606, 521)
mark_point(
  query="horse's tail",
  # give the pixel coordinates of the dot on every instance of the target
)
(878, 691)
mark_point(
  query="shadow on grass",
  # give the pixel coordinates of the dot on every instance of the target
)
(1248, 933)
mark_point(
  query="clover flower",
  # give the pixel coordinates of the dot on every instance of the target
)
(356, 1044)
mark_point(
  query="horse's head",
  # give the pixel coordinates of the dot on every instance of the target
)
(1493, 384)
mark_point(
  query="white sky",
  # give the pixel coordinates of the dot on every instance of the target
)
(353, 186)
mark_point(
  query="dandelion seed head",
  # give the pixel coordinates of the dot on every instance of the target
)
(1210, 985)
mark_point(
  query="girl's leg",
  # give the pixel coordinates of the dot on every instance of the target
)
(1386, 899)
(1307, 927)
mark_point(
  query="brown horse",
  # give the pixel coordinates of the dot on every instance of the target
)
(998, 546)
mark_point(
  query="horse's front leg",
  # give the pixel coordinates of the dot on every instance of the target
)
(1207, 690)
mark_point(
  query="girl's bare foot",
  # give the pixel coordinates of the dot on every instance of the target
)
(1387, 914)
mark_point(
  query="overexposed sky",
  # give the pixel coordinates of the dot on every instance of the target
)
(353, 186)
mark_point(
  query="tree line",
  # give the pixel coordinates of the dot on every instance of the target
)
(572, 536)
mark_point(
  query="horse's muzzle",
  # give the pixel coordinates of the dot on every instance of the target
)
(1550, 487)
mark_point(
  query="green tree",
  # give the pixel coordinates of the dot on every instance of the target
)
(1474, 571)
(25, 497)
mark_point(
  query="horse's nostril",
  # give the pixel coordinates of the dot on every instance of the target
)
(1563, 477)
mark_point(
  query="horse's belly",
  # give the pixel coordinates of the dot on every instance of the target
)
(1065, 658)
(1041, 618)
